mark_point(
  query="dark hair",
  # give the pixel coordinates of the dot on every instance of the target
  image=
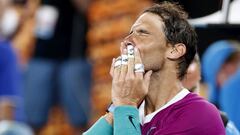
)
(177, 30)
(20, 2)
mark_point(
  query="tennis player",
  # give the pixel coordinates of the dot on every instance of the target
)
(147, 94)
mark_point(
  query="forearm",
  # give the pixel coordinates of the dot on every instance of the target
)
(126, 121)
(101, 127)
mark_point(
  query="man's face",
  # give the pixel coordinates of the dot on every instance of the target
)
(148, 36)
(192, 77)
(228, 69)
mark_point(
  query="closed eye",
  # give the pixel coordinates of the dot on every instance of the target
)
(142, 31)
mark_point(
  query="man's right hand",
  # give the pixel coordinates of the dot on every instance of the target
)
(129, 86)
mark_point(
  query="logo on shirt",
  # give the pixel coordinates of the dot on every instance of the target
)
(131, 120)
(150, 130)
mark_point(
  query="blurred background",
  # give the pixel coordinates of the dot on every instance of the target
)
(55, 57)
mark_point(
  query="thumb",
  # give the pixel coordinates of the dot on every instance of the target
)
(147, 77)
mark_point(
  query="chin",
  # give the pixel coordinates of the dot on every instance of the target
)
(153, 67)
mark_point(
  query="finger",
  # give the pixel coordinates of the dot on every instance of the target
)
(130, 51)
(124, 54)
(117, 68)
(112, 67)
(124, 65)
(118, 62)
(138, 66)
(122, 47)
(147, 78)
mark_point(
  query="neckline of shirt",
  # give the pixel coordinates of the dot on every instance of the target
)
(145, 119)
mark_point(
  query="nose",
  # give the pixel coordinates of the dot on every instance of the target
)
(129, 40)
(127, 43)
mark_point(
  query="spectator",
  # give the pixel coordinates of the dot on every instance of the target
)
(11, 102)
(10, 81)
(219, 62)
(229, 98)
(193, 76)
(59, 71)
(10, 88)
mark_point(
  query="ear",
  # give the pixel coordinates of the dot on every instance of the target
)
(175, 52)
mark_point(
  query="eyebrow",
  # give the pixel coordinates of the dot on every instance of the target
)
(134, 27)
(138, 28)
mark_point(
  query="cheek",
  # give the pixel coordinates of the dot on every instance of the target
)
(152, 51)
(152, 59)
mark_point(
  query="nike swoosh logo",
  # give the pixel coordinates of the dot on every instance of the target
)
(131, 120)
(150, 130)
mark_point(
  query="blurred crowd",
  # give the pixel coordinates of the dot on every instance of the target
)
(55, 57)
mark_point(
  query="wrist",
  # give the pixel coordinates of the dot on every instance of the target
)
(109, 118)
(128, 102)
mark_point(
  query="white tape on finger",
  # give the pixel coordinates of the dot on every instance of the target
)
(118, 62)
(130, 50)
(139, 68)
(124, 59)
